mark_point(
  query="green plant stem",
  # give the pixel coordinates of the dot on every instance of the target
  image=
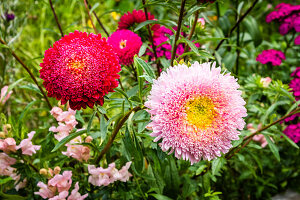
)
(56, 19)
(98, 20)
(237, 42)
(178, 31)
(115, 132)
(192, 31)
(218, 9)
(236, 25)
(151, 38)
(248, 139)
(30, 73)
(88, 11)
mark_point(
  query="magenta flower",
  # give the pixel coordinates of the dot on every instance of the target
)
(75, 195)
(295, 83)
(271, 56)
(61, 182)
(4, 97)
(26, 145)
(196, 111)
(297, 40)
(126, 44)
(293, 132)
(8, 144)
(282, 10)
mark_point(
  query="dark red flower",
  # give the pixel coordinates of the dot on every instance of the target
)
(136, 17)
(80, 68)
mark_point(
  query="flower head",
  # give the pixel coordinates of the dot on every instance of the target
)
(132, 18)
(80, 68)
(265, 81)
(9, 16)
(26, 145)
(293, 132)
(8, 144)
(126, 44)
(297, 40)
(295, 83)
(75, 195)
(4, 95)
(61, 182)
(273, 56)
(77, 151)
(5, 164)
(45, 191)
(196, 111)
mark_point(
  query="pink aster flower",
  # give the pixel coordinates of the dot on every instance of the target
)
(271, 56)
(45, 191)
(26, 145)
(5, 164)
(8, 144)
(266, 81)
(132, 18)
(196, 111)
(76, 151)
(4, 97)
(61, 182)
(75, 195)
(126, 44)
(61, 196)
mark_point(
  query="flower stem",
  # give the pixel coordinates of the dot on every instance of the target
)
(237, 42)
(178, 31)
(236, 24)
(88, 11)
(248, 139)
(30, 73)
(98, 20)
(191, 32)
(115, 132)
(56, 19)
(151, 38)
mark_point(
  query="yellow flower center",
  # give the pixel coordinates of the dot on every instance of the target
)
(200, 112)
(123, 44)
(76, 66)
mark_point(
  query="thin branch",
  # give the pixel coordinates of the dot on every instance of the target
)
(178, 31)
(191, 32)
(115, 132)
(248, 139)
(56, 19)
(30, 73)
(237, 24)
(98, 20)
(151, 38)
(88, 11)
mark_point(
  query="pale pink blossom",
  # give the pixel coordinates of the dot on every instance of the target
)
(260, 138)
(56, 111)
(4, 97)
(125, 175)
(26, 145)
(99, 176)
(5, 164)
(61, 196)
(78, 152)
(6, 128)
(61, 182)
(45, 191)
(201, 21)
(88, 139)
(75, 195)
(68, 117)
(8, 144)
(18, 184)
(266, 81)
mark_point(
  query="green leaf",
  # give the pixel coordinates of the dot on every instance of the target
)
(124, 94)
(160, 197)
(217, 164)
(271, 109)
(161, 22)
(11, 86)
(273, 147)
(289, 140)
(143, 49)
(67, 139)
(5, 180)
(253, 29)
(94, 7)
(90, 122)
(11, 197)
(146, 67)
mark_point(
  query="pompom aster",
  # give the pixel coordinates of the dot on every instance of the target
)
(80, 68)
(272, 56)
(126, 44)
(196, 111)
(131, 18)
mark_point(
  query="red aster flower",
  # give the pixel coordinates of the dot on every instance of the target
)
(80, 68)
(129, 19)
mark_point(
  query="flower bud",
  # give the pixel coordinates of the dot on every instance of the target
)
(6, 128)
(43, 171)
(57, 170)
(88, 139)
(2, 134)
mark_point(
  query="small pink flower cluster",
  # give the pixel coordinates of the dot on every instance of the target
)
(99, 176)
(8, 145)
(66, 121)
(288, 16)
(4, 97)
(295, 83)
(58, 188)
(78, 152)
(273, 56)
(265, 81)
(258, 138)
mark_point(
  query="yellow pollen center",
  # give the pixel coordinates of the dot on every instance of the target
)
(76, 66)
(123, 44)
(200, 112)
